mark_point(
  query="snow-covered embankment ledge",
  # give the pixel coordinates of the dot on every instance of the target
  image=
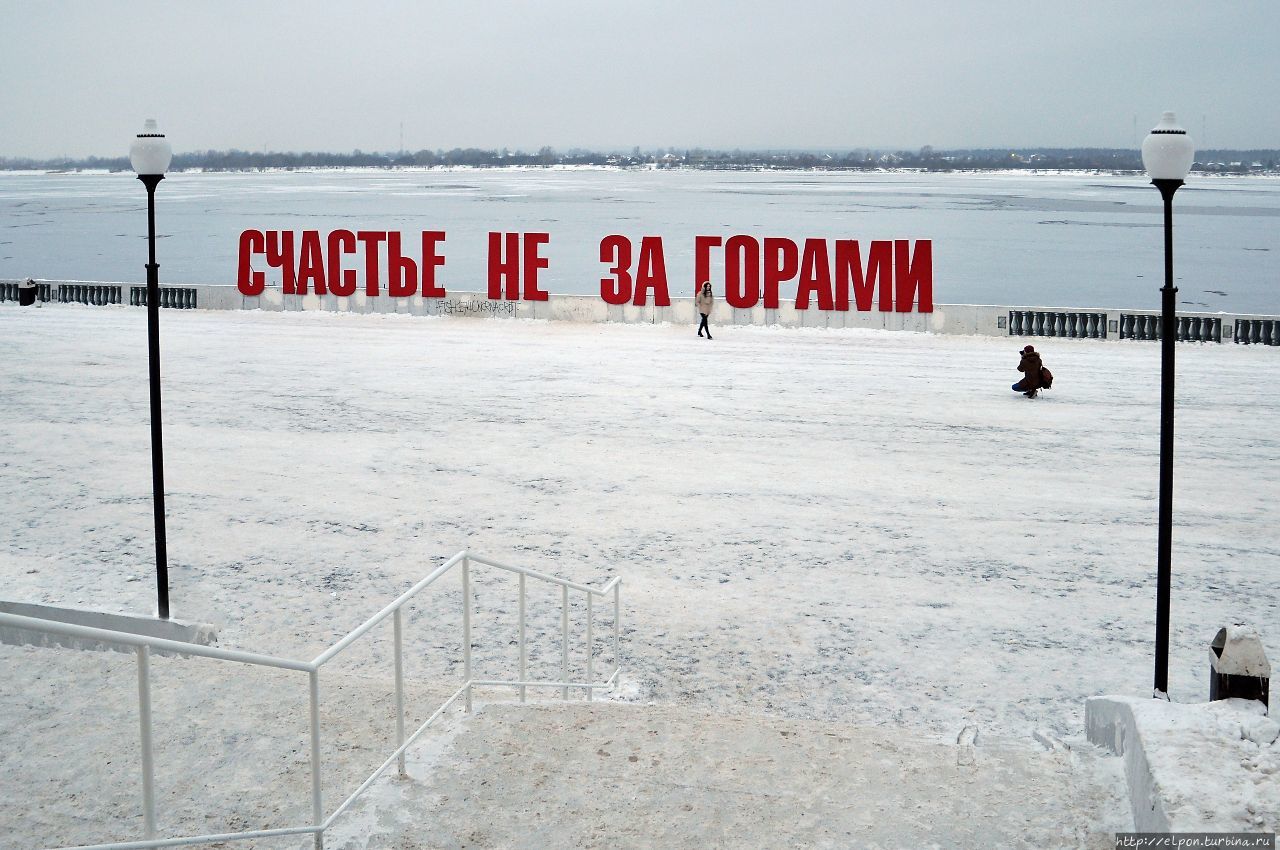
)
(1206, 767)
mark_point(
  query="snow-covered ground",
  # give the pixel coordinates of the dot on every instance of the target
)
(863, 528)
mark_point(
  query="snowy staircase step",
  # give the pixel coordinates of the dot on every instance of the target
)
(619, 775)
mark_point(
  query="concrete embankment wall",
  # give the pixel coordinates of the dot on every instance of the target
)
(970, 319)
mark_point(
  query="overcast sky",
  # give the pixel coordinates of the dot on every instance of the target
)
(78, 78)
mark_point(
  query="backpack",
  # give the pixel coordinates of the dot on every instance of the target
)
(1046, 377)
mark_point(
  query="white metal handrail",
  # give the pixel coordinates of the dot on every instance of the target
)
(320, 822)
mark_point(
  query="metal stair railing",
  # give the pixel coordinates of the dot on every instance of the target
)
(143, 645)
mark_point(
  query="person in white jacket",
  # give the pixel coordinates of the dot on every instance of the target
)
(705, 301)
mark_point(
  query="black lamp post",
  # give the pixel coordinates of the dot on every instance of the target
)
(150, 155)
(1167, 154)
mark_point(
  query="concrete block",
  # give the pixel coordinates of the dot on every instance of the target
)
(812, 318)
(197, 633)
(586, 308)
(1109, 723)
(787, 314)
(682, 311)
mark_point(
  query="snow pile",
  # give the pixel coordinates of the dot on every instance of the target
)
(1216, 765)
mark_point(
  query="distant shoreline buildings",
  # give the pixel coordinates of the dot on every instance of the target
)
(1224, 161)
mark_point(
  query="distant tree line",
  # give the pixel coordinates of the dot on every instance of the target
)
(926, 158)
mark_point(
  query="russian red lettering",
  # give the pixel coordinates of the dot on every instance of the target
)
(779, 265)
(430, 259)
(742, 271)
(371, 239)
(402, 272)
(702, 246)
(532, 262)
(504, 266)
(248, 281)
(913, 274)
(616, 249)
(311, 265)
(651, 273)
(880, 271)
(849, 275)
(815, 276)
(280, 256)
(341, 281)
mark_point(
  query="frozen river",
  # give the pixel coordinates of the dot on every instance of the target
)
(1055, 240)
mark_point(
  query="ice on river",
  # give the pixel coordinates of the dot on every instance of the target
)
(1069, 240)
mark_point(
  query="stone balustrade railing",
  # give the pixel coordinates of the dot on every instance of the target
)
(971, 319)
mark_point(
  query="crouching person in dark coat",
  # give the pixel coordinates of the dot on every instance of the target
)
(1030, 368)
